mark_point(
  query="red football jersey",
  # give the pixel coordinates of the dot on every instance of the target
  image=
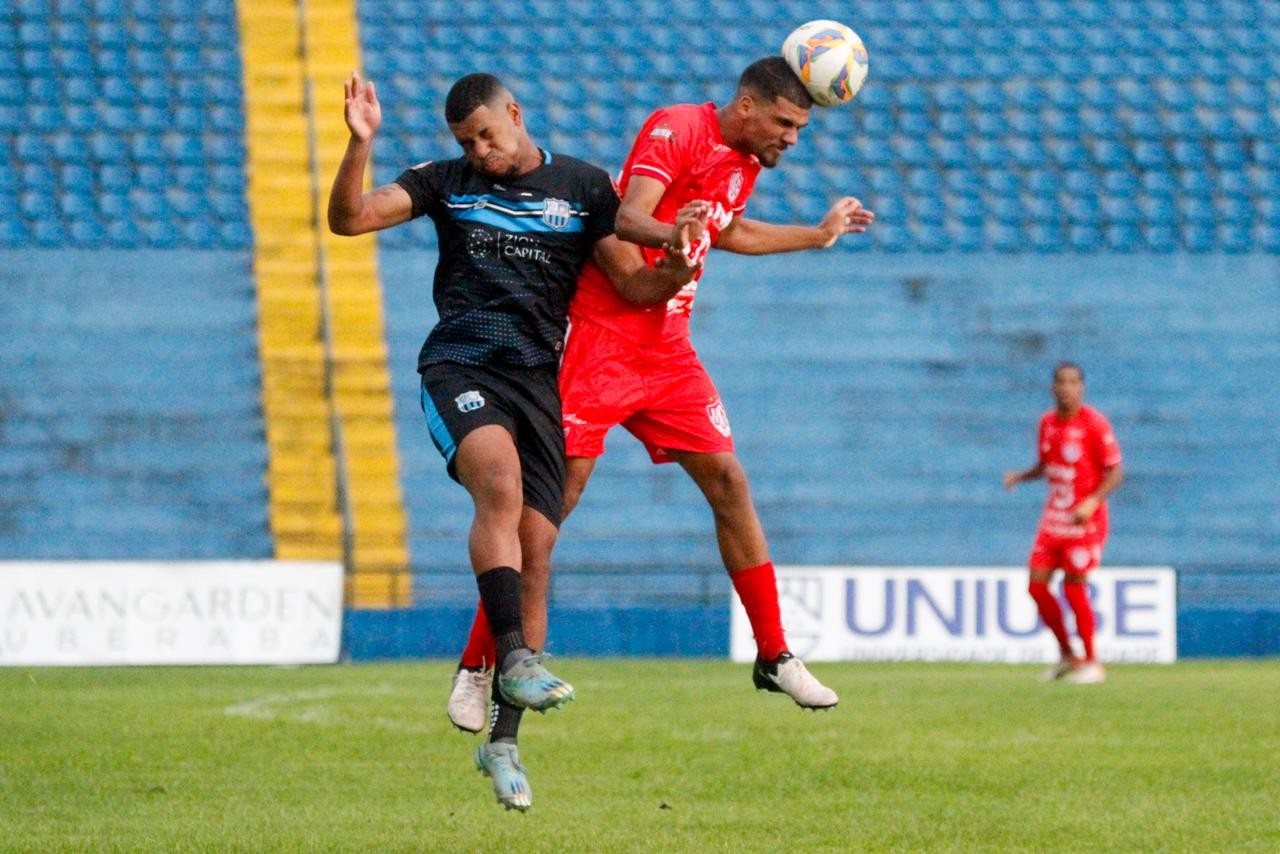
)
(682, 147)
(1076, 452)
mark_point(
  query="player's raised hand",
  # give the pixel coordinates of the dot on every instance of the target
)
(846, 216)
(362, 110)
(1012, 479)
(695, 216)
(678, 258)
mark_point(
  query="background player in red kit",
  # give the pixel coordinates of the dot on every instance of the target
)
(635, 365)
(1080, 458)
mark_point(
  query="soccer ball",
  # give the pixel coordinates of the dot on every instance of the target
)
(830, 59)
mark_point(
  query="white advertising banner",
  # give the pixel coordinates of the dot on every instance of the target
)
(233, 612)
(839, 613)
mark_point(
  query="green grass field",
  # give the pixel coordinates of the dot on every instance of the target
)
(653, 756)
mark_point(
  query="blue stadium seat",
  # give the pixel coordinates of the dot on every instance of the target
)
(1146, 125)
(1063, 124)
(1268, 237)
(991, 124)
(1189, 154)
(992, 153)
(1151, 155)
(1158, 210)
(1121, 211)
(1084, 238)
(1102, 124)
(1235, 238)
(1198, 237)
(1228, 155)
(1234, 211)
(924, 182)
(963, 182)
(1008, 211)
(1006, 237)
(13, 232)
(1028, 152)
(1236, 184)
(1070, 154)
(1161, 238)
(1195, 183)
(1124, 237)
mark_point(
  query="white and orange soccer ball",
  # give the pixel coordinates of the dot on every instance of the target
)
(830, 59)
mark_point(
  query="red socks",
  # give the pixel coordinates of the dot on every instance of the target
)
(482, 649)
(1078, 598)
(758, 589)
(1051, 614)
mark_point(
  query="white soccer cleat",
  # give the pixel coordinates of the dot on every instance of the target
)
(1088, 673)
(788, 675)
(469, 700)
(1059, 670)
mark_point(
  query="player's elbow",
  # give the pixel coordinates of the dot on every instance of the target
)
(627, 225)
(343, 223)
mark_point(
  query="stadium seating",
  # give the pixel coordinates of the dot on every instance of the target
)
(132, 427)
(1026, 158)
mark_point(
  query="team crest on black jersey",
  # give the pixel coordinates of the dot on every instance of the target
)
(557, 213)
(469, 401)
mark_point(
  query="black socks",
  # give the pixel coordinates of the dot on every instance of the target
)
(500, 598)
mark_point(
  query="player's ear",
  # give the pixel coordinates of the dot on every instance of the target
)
(513, 110)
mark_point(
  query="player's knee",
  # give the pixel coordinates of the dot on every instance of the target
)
(497, 489)
(726, 487)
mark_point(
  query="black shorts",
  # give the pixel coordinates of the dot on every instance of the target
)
(459, 398)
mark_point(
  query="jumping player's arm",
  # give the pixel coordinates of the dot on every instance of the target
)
(351, 210)
(636, 282)
(636, 223)
(754, 237)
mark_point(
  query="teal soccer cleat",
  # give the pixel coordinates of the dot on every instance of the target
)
(500, 762)
(530, 685)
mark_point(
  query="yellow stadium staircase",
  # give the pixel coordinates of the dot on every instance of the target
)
(333, 468)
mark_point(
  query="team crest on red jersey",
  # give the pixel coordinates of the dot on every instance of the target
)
(719, 418)
(735, 185)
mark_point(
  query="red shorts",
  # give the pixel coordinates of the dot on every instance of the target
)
(1073, 555)
(662, 395)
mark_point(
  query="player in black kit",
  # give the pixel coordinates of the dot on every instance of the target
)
(515, 224)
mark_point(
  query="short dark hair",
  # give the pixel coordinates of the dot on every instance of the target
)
(468, 94)
(1062, 366)
(771, 78)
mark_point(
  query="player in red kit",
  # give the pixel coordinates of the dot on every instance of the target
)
(1081, 460)
(635, 365)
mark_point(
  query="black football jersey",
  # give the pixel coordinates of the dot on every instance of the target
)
(510, 253)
